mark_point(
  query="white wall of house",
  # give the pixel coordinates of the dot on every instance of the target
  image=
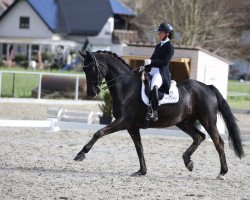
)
(9, 25)
(213, 70)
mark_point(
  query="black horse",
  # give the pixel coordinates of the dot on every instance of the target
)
(197, 102)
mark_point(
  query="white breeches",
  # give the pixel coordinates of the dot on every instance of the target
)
(156, 78)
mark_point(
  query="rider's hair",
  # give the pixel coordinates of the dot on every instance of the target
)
(171, 35)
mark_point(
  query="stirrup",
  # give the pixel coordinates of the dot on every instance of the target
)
(149, 113)
(149, 116)
(154, 116)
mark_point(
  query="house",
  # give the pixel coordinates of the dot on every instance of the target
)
(59, 26)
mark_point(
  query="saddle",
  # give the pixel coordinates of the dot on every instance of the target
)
(172, 97)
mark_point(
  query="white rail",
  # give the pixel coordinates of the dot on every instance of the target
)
(41, 74)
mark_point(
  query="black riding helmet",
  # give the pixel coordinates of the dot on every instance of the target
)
(166, 28)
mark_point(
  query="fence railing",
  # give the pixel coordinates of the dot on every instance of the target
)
(239, 93)
(40, 76)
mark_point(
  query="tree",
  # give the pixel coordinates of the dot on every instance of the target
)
(214, 25)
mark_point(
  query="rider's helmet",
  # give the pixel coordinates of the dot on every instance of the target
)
(166, 28)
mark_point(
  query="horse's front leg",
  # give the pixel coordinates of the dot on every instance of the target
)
(117, 125)
(136, 137)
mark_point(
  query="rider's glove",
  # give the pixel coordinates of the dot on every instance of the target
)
(147, 62)
(141, 68)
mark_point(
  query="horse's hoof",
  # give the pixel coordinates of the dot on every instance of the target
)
(79, 157)
(190, 166)
(139, 173)
(221, 177)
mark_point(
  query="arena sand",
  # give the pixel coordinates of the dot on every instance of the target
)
(37, 164)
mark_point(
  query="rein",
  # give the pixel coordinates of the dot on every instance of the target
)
(106, 82)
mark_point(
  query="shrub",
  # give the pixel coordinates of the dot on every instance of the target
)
(106, 106)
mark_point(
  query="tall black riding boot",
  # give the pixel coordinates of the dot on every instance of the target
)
(149, 108)
(149, 94)
(155, 103)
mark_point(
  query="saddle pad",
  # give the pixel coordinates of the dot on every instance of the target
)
(172, 97)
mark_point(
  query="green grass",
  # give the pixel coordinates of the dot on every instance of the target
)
(19, 85)
(238, 95)
(236, 86)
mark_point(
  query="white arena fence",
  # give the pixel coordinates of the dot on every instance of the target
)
(40, 75)
(57, 118)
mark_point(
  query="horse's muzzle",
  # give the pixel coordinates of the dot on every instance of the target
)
(93, 92)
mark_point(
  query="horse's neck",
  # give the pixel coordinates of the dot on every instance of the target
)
(114, 72)
(118, 74)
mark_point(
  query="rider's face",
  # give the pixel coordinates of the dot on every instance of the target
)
(162, 35)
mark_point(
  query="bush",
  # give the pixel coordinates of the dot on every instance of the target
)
(20, 58)
(106, 106)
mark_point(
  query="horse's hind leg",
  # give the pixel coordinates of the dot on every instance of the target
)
(197, 136)
(219, 145)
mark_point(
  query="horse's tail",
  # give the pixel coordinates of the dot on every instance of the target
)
(230, 120)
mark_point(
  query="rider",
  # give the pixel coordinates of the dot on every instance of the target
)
(159, 70)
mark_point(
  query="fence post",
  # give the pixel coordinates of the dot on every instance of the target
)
(13, 85)
(39, 86)
(77, 87)
(1, 75)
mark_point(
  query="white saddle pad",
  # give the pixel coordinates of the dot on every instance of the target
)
(172, 97)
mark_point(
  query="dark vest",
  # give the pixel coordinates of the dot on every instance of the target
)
(160, 59)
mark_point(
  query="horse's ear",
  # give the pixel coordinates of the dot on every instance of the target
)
(82, 54)
(90, 55)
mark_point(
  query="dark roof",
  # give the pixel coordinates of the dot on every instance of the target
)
(48, 11)
(76, 17)
(120, 9)
(85, 19)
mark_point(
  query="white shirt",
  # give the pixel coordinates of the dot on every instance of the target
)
(164, 41)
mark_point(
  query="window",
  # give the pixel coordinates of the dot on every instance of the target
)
(24, 22)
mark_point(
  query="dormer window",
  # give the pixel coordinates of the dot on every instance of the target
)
(24, 23)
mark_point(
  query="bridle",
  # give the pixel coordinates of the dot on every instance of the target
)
(100, 73)
(98, 70)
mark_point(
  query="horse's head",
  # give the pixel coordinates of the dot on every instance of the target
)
(93, 73)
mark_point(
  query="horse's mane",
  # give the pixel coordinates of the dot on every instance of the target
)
(114, 55)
